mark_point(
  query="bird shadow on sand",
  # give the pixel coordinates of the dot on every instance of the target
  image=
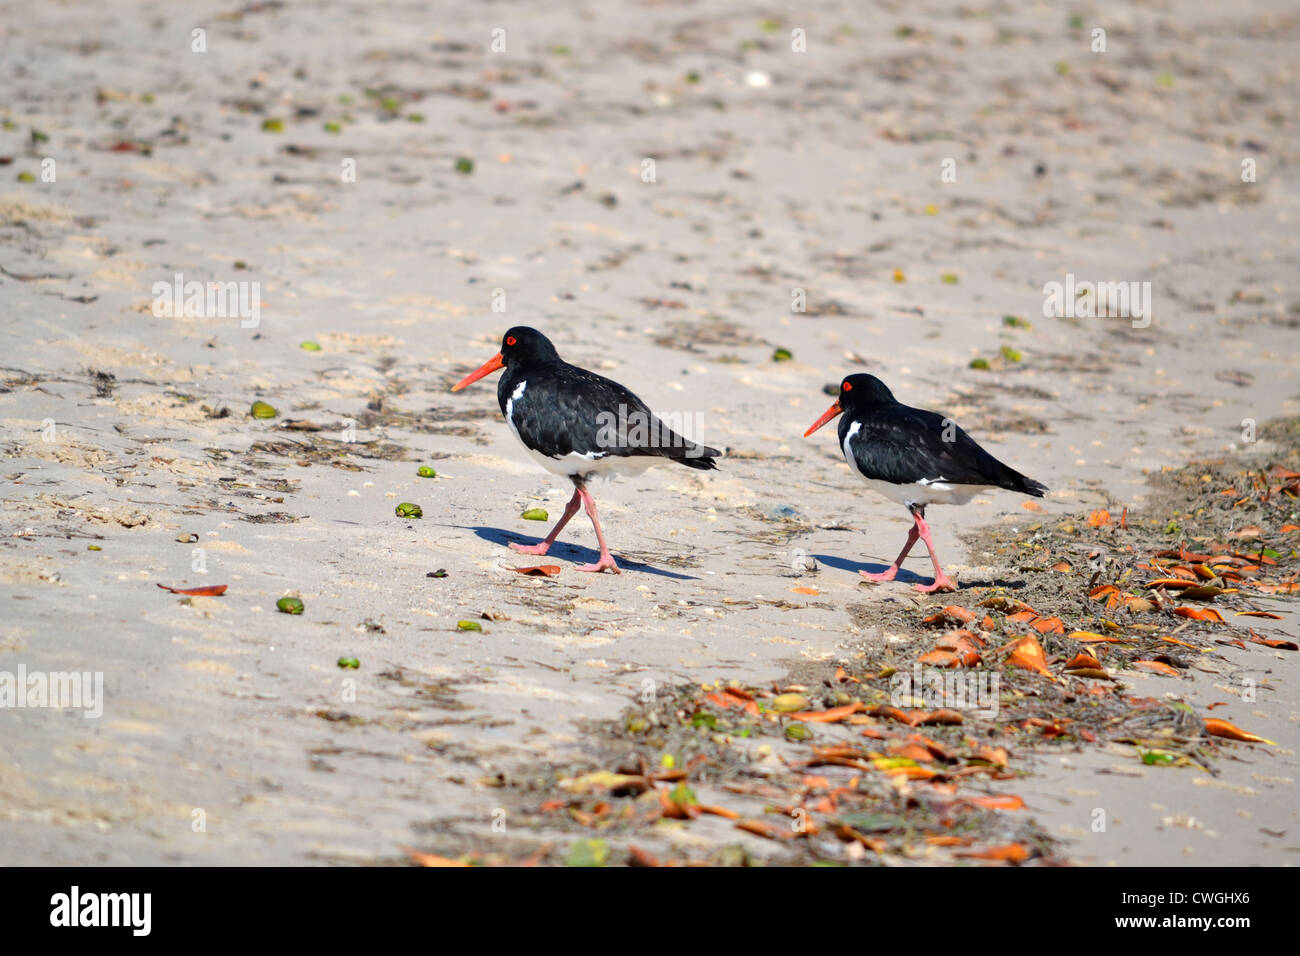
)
(565, 552)
(844, 564)
(908, 577)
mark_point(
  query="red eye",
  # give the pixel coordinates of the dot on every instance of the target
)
(510, 340)
(848, 387)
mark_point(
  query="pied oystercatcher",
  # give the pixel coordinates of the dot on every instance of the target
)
(579, 424)
(916, 457)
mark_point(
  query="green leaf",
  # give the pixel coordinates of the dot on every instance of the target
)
(587, 853)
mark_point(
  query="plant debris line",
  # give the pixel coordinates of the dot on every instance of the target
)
(830, 765)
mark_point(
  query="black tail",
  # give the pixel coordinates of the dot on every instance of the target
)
(692, 456)
(1026, 486)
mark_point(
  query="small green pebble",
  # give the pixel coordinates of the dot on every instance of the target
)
(426, 472)
(349, 662)
(979, 363)
(415, 117)
(1015, 322)
(333, 127)
(535, 514)
(241, 264)
(668, 761)
(408, 510)
(465, 165)
(93, 547)
(469, 625)
(289, 605)
(782, 355)
(310, 346)
(263, 410)
(948, 278)
(1010, 354)
(692, 77)
(391, 103)
(26, 177)
(273, 125)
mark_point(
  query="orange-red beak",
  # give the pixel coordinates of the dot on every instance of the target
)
(487, 368)
(830, 413)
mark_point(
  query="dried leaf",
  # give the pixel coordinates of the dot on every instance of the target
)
(1222, 728)
(212, 590)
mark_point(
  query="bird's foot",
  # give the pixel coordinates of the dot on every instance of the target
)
(539, 548)
(882, 576)
(941, 583)
(606, 563)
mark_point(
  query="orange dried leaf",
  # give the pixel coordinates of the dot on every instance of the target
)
(1009, 853)
(1028, 653)
(1099, 518)
(212, 590)
(1200, 614)
(1000, 801)
(1158, 666)
(429, 859)
(831, 715)
(1222, 728)
(952, 614)
(539, 571)
(939, 658)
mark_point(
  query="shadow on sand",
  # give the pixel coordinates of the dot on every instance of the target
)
(560, 551)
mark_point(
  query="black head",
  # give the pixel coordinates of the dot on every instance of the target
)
(856, 391)
(523, 345)
(520, 346)
(863, 389)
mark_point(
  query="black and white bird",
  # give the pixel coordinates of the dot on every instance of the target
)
(579, 424)
(915, 457)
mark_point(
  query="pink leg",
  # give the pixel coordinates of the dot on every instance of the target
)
(543, 546)
(606, 562)
(941, 581)
(912, 535)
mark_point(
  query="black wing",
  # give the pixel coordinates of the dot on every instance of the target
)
(565, 409)
(903, 445)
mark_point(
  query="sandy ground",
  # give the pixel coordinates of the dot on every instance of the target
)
(774, 171)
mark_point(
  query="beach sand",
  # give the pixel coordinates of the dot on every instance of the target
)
(509, 188)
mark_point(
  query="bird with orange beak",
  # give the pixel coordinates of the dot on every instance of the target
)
(579, 424)
(917, 458)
